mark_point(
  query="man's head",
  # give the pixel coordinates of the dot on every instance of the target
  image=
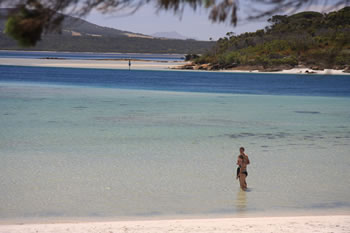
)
(241, 150)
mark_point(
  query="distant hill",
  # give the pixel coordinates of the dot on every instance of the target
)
(170, 35)
(306, 39)
(79, 27)
(78, 35)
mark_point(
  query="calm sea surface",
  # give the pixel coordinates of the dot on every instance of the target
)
(78, 143)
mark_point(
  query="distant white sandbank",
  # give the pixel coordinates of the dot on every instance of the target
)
(97, 64)
(142, 65)
(321, 224)
(294, 71)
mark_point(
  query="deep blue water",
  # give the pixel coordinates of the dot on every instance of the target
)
(211, 82)
(84, 56)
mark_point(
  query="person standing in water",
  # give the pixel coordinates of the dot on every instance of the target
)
(129, 64)
(242, 162)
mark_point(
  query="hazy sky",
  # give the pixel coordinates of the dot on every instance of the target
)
(193, 24)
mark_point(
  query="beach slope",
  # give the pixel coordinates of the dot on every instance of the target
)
(248, 225)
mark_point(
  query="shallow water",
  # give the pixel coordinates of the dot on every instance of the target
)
(77, 143)
(107, 152)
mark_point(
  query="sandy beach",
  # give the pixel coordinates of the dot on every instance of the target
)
(101, 64)
(335, 224)
(294, 71)
(141, 65)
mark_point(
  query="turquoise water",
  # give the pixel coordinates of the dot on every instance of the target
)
(108, 152)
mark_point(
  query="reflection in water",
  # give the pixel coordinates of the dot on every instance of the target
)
(241, 201)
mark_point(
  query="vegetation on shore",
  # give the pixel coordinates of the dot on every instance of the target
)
(306, 39)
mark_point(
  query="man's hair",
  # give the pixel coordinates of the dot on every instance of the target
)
(242, 148)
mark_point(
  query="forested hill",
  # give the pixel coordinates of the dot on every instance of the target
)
(307, 39)
(78, 35)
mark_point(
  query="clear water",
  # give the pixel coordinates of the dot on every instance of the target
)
(147, 146)
(207, 82)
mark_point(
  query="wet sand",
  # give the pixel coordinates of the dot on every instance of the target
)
(248, 225)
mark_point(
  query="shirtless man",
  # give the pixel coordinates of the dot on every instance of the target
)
(242, 173)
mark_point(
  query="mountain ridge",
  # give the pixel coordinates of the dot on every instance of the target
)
(170, 35)
(79, 35)
(78, 25)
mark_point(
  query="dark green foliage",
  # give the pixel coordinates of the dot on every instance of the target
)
(190, 57)
(25, 27)
(27, 22)
(306, 38)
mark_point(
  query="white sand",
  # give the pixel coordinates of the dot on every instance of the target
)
(299, 224)
(139, 65)
(104, 64)
(293, 71)
(303, 70)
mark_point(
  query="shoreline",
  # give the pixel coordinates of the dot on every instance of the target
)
(243, 214)
(327, 223)
(246, 69)
(122, 64)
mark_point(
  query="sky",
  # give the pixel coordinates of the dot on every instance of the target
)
(191, 24)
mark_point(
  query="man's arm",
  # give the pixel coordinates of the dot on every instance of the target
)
(248, 162)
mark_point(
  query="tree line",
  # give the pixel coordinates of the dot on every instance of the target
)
(306, 38)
